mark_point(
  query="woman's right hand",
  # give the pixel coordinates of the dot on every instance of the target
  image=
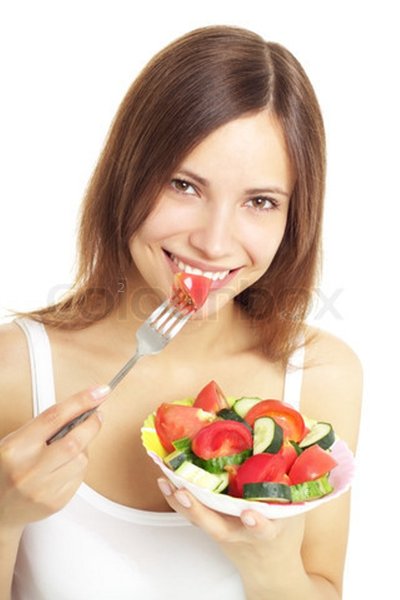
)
(37, 479)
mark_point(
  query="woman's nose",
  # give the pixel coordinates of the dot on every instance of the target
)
(213, 235)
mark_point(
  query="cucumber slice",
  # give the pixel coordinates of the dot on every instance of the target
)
(182, 444)
(267, 436)
(321, 433)
(228, 414)
(311, 490)
(243, 405)
(268, 492)
(215, 482)
(176, 458)
(218, 464)
(296, 447)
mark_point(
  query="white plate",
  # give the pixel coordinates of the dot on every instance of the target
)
(340, 478)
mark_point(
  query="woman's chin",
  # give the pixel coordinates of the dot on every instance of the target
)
(212, 309)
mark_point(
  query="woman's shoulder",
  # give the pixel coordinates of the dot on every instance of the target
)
(324, 348)
(332, 385)
(15, 378)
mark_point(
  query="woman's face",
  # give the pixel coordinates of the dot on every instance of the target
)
(223, 213)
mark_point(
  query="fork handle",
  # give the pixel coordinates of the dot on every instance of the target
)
(125, 369)
(82, 417)
(70, 425)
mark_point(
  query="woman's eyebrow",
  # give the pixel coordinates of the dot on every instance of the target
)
(262, 190)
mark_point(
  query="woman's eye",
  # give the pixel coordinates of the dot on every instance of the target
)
(180, 185)
(262, 203)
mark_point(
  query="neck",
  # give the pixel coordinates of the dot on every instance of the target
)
(201, 334)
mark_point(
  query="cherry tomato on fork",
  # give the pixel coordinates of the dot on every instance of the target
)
(195, 288)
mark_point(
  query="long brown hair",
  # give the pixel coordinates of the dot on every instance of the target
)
(196, 84)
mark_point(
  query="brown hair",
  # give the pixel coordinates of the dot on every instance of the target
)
(196, 84)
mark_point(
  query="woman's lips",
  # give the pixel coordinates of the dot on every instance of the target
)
(215, 284)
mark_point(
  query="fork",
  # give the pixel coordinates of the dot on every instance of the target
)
(152, 336)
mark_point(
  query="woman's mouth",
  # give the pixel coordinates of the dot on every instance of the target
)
(219, 278)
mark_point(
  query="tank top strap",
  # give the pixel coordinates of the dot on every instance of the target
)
(294, 377)
(43, 389)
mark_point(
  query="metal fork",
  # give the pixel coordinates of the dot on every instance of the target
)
(152, 336)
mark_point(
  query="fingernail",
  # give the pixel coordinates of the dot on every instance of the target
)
(248, 520)
(164, 487)
(99, 392)
(183, 499)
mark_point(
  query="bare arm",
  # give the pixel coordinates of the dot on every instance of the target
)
(36, 479)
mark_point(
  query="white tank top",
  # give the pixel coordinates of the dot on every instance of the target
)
(96, 549)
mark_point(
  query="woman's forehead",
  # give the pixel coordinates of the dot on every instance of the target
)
(250, 149)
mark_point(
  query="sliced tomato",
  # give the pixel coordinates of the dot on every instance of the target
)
(221, 438)
(285, 415)
(232, 472)
(288, 454)
(174, 421)
(311, 464)
(258, 468)
(211, 398)
(194, 287)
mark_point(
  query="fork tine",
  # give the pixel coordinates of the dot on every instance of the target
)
(174, 323)
(169, 312)
(179, 324)
(157, 312)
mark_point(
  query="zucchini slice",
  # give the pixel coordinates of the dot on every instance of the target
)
(182, 443)
(243, 405)
(218, 464)
(176, 458)
(296, 447)
(228, 414)
(311, 490)
(268, 492)
(321, 433)
(267, 436)
(215, 482)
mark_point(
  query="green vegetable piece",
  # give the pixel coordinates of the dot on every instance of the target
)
(267, 436)
(267, 492)
(218, 464)
(243, 405)
(182, 444)
(228, 414)
(321, 433)
(311, 490)
(215, 482)
(176, 458)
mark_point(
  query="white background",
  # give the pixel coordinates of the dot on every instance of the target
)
(65, 67)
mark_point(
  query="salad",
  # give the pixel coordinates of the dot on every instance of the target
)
(247, 448)
(190, 290)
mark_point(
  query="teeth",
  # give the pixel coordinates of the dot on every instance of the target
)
(214, 275)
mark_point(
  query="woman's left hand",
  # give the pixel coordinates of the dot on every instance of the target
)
(250, 541)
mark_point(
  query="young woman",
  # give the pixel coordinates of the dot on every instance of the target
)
(215, 162)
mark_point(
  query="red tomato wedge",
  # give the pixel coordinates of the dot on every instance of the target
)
(311, 464)
(287, 417)
(195, 288)
(221, 438)
(288, 454)
(211, 398)
(174, 421)
(258, 468)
